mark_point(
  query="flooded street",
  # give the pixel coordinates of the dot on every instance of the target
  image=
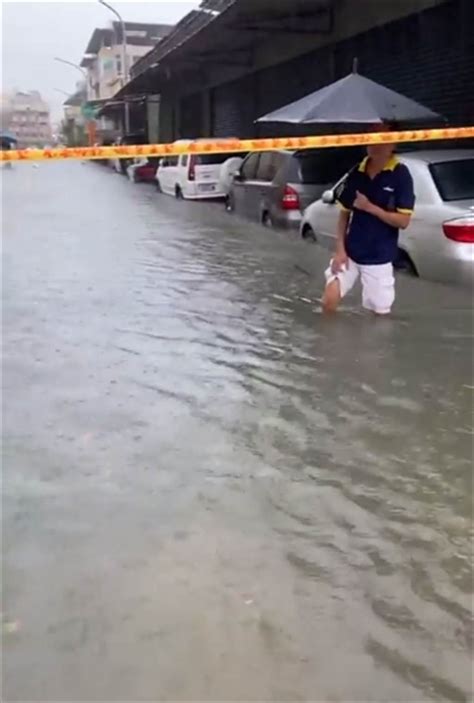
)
(211, 491)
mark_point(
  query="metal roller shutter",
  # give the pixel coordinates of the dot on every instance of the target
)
(428, 56)
(233, 109)
(191, 117)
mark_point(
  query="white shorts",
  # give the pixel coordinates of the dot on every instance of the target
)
(378, 284)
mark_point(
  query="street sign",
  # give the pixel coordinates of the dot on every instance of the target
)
(89, 111)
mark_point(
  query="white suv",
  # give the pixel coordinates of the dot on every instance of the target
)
(191, 176)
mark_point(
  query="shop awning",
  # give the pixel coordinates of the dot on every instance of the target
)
(225, 32)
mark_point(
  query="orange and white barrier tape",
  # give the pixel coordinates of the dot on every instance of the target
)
(219, 146)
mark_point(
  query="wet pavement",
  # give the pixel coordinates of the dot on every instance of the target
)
(211, 491)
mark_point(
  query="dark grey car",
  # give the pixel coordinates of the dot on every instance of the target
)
(275, 187)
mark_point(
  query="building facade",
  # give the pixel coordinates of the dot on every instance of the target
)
(74, 128)
(27, 115)
(104, 60)
(232, 61)
(108, 69)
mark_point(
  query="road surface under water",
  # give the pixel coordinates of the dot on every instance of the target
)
(211, 491)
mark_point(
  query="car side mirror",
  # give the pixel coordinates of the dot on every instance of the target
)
(329, 197)
(237, 176)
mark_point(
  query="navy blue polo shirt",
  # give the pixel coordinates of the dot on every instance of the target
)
(370, 241)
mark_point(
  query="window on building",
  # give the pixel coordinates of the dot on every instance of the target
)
(140, 33)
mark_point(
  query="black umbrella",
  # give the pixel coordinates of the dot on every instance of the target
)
(352, 99)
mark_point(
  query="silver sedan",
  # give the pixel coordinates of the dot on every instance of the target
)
(439, 242)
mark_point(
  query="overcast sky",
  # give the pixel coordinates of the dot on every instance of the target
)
(34, 33)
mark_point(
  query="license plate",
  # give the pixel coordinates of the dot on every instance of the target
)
(207, 187)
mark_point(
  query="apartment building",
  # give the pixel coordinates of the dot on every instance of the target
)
(104, 61)
(27, 115)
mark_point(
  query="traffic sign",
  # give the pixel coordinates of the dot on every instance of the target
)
(89, 111)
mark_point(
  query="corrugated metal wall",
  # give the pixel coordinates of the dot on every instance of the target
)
(233, 108)
(428, 56)
(191, 123)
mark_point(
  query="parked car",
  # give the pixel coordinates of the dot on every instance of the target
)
(275, 187)
(191, 177)
(143, 171)
(121, 165)
(439, 242)
(8, 141)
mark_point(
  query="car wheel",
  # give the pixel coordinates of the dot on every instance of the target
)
(403, 262)
(308, 234)
(267, 220)
(178, 193)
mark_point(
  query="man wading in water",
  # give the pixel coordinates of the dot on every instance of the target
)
(376, 201)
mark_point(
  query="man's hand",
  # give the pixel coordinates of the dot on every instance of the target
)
(362, 202)
(399, 220)
(339, 261)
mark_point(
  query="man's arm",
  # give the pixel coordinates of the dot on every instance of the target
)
(400, 220)
(340, 256)
(341, 230)
(345, 199)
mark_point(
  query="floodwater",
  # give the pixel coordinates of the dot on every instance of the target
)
(211, 491)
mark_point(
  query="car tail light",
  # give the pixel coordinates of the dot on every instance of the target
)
(291, 199)
(192, 168)
(460, 230)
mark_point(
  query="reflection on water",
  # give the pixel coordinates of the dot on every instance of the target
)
(202, 470)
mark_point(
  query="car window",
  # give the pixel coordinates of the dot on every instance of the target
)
(454, 179)
(168, 161)
(184, 160)
(212, 159)
(249, 167)
(268, 166)
(323, 166)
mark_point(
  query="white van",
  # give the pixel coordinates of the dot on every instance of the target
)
(191, 177)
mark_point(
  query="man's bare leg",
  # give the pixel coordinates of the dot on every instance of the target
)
(332, 296)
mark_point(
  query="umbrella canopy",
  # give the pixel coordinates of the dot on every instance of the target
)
(352, 99)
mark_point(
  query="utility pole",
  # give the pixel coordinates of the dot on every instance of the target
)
(124, 62)
(74, 65)
(90, 122)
